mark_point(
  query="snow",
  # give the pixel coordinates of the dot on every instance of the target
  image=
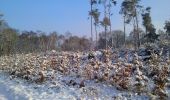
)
(71, 85)
(18, 89)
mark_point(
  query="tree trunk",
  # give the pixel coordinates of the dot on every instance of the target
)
(96, 37)
(137, 30)
(105, 36)
(110, 22)
(117, 41)
(111, 29)
(134, 34)
(146, 34)
(105, 26)
(91, 24)
(124, 30)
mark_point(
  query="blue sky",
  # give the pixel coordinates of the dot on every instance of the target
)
(69, 15)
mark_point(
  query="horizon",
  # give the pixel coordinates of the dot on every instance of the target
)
(68, 16)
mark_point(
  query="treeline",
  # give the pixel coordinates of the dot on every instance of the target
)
(12, 41)
(133, 14)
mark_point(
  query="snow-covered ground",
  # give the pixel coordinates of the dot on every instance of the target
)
(73, 76)
(59, 89)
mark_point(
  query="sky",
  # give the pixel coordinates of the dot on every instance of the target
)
(69, 15)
